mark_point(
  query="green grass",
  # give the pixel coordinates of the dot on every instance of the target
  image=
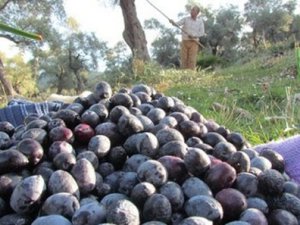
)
(263, 88)
(257, 93)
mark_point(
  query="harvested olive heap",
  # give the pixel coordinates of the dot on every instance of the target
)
(137, 156)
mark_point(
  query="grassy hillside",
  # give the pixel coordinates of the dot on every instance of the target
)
(255, 98)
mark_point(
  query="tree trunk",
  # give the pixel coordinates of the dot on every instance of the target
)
(133, 33)
(8, 88)
(76, 64)
(214, 50)
(60, 83)
(264, 39)
(80, 82)
(254, 36)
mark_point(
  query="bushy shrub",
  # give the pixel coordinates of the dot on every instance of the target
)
(207, 61)
(278, 49)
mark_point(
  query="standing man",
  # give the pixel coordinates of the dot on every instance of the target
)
(192, 29)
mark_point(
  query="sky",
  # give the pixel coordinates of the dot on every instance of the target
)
(107, 21)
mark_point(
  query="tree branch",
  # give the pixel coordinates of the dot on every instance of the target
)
(5, 4)
(10, 38)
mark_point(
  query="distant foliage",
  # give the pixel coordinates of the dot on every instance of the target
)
(20, 75)
(165, 48)
(270, 20)
(208, 61)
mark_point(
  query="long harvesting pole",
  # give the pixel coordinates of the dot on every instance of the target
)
(7, 28)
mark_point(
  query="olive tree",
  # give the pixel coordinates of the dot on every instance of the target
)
(36, 16)
(117, 59)
(270, 20)
(69, 60)
(295, 28)
(223, 28)
(14, 66)
(7, 86)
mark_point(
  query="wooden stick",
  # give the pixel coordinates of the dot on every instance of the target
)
(5, 27)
